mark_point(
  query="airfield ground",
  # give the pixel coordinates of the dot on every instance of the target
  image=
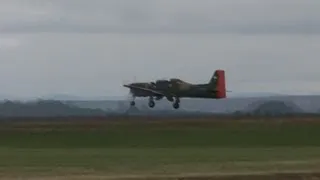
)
(124, 148)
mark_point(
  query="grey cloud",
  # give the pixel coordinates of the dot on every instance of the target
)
(175, 16)
(98, 63)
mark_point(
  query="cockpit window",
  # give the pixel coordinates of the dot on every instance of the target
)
(176, 80)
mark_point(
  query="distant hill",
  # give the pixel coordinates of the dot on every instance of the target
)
(308, 104)
(44, 109)
(65, 105)
(275, 107)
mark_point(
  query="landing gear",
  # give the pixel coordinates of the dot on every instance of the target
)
(151, 102)
(132, 102)
(176, 103)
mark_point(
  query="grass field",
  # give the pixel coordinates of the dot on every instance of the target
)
(150, 147)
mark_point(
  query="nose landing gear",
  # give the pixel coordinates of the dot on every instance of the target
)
(132, 102)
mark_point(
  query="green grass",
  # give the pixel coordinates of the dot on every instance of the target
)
(158, 147)
(157, 161)
(161, 135)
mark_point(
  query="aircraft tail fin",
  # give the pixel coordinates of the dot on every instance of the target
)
(218, 84)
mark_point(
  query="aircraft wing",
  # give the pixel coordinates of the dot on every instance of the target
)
(144, 89)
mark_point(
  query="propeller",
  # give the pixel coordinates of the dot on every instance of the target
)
(129, 95)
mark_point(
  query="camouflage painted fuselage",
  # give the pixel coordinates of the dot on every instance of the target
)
(176, 88)
(183, 89)
(173, 88)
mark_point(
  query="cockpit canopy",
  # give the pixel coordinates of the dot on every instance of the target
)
(162, 81)
(164, 84)
(176, 80)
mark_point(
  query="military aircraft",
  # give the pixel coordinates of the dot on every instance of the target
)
(174, 89)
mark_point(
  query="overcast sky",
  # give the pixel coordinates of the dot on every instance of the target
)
(91, 47)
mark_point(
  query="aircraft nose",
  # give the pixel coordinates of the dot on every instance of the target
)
(128, 85)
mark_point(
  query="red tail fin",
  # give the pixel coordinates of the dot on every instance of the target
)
(219, 83)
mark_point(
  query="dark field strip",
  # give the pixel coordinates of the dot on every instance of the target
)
(158, 133)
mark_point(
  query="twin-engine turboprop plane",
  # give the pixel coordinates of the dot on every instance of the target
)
(174, 89)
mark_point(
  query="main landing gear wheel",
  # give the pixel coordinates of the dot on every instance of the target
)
(151, 102)
(176, 103)
(132, 103)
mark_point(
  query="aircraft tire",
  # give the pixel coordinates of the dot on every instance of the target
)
(176, 105)
(132, 103)
(151, 104)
